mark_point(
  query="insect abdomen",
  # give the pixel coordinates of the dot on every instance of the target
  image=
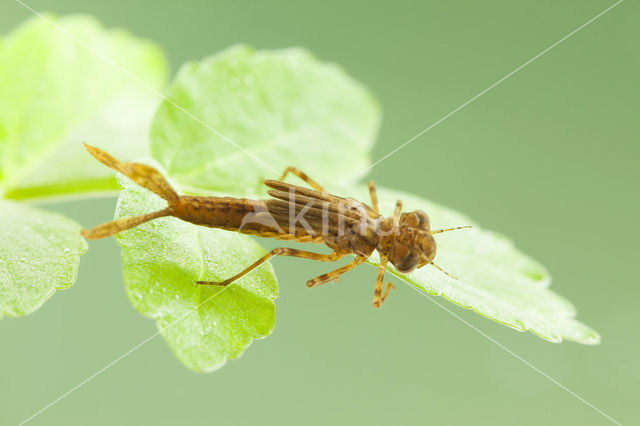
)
(214, 212)
(238, 214)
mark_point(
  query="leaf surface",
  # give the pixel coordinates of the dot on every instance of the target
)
(492, 277)
(39, 254)
(58, 89)
(253, 113)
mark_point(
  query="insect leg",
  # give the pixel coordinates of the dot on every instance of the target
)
(378, 297)
(334, 275)
(374, 197)
(281, 251)
(312, 183)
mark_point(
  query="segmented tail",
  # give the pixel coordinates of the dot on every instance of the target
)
(116, 226)
(143, 175)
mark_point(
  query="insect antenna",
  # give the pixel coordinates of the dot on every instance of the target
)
(437, 231)
(442, 270)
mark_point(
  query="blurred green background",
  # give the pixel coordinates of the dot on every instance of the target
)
(550, 157)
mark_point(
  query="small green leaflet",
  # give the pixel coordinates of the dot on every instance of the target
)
(283, 107)
(39, 254)
(162, 260)
(55, 93)
(492, 277)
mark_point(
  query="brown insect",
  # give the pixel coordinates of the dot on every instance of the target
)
(345, 225)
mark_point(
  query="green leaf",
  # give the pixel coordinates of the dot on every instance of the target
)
(162, 259)
(55, 93)
(39, 254)
(283, 106)
(492, 277)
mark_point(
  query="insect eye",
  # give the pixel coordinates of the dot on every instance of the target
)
(428, 246)
(408, 263)
(423, 219)
(415, 219)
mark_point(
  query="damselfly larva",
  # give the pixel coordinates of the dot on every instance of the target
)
(345, 225)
